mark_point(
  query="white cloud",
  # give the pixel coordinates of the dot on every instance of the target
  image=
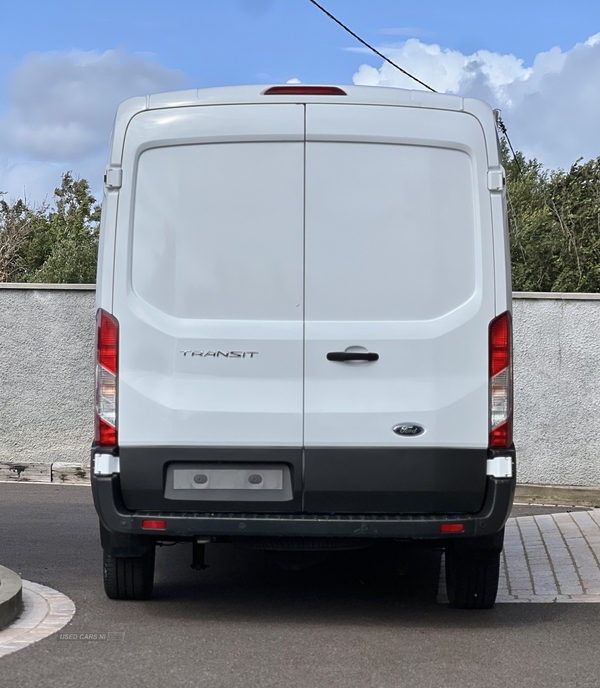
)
(32, 180)
(59, 113)
(36, 180)
(552, 108)
(358, 49)
(61, 105)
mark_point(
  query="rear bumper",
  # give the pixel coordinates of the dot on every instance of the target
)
(339, 480)
(116, 518)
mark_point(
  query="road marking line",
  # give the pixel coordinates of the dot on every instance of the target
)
(45, 611)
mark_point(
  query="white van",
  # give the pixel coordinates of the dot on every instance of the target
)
(304, 330)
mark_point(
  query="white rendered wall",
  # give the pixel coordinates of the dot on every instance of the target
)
(46, 380)
(46, 373)
(557, 388)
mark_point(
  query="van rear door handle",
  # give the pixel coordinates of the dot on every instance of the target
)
(352, 356)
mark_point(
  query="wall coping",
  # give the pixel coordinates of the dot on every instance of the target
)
(550, 295)
(43, 286)
(555, 295)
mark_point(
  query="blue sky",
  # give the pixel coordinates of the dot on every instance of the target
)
(65, 65)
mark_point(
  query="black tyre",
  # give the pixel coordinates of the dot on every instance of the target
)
(129, 578)
(472, 577)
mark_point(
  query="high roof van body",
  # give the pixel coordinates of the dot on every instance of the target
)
(304, 330)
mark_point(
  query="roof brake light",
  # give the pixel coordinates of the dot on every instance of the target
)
(301, 90)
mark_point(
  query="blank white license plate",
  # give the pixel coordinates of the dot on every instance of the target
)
(227, 479)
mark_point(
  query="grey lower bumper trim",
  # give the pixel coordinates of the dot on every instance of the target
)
(489, 520)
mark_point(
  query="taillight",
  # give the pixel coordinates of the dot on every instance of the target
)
(107, 343)
(501, 383)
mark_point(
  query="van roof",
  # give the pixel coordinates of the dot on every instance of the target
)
(371, 95)
(255, 94)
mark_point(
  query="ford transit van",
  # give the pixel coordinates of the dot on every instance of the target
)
(304, 329)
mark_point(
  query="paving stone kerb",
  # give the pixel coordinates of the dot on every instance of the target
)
(11, 596)
(47, 360)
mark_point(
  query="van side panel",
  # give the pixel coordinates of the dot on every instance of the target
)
(106, 250)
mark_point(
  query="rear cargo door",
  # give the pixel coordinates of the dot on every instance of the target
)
(399, 263)
(208, 285)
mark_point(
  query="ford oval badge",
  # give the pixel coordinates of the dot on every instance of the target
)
(408, 429)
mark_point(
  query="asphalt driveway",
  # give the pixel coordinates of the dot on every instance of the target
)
(367, 619)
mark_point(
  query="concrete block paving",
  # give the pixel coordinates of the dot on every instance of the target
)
(45, 611)
(548, 558)
(552, 558)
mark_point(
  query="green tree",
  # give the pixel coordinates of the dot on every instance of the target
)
(18, 223)
(64, 248)
(554, 220)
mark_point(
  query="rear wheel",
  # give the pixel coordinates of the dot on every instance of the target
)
(129, 578)
(472, 575)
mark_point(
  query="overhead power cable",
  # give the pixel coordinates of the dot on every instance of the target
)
(358, 38)
(504, 132)
(499, 122)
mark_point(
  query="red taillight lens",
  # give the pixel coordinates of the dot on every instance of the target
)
(292, 90)
(154, 525)
(106, 435)
(500, 343)
(452, 528)
(502, 436)
(108, 336)
(107, 342)
(501, 384)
